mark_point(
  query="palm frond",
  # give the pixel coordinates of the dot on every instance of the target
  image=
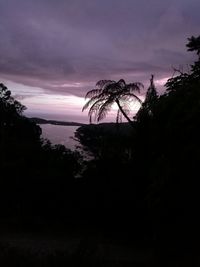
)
(100, 84)
(133, 96)
(104, 109)
(112, 88)
(93, 92)
(121, 83)
(108, 86)
(95, 108)
(90, 102)
(134, 87)
(97, 104)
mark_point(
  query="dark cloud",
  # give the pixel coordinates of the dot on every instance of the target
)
(65, 46)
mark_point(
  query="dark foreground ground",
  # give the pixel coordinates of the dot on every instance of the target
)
(49, 247)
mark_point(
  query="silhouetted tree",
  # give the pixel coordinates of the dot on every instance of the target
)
(170, 153)
(194, 44)
(108, 92)
(147, 108)
(8, 103)
(36, 178)
(151, 97)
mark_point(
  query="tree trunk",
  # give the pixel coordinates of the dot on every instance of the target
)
(124, 113)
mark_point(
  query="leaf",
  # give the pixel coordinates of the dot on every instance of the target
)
(102, 83)
(104, 109)
(134, 96)
(134, 87)
(93, 92)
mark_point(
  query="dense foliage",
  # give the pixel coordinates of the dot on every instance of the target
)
(158, 182)
(32, 170)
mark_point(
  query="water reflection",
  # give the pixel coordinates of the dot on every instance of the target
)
(58, 134)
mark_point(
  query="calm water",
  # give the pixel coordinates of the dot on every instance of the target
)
(60, 134)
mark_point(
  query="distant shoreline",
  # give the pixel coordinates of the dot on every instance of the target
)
(55, 122)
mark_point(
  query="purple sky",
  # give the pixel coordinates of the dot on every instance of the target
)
(53, 51)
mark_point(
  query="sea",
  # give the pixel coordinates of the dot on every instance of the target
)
(58, 134)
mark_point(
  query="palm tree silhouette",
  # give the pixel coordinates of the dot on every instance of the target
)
(108, 92)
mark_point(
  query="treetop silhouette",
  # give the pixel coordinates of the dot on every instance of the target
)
(108, 92)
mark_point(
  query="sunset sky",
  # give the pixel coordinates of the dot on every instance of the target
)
(53, 51)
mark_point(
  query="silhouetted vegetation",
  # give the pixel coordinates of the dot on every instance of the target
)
(155, 189)
(34, 174)
(108, 92)
(139, 188)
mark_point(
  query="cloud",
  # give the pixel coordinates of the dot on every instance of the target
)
(56, 45)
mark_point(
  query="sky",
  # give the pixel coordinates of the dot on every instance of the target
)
(53, 51)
